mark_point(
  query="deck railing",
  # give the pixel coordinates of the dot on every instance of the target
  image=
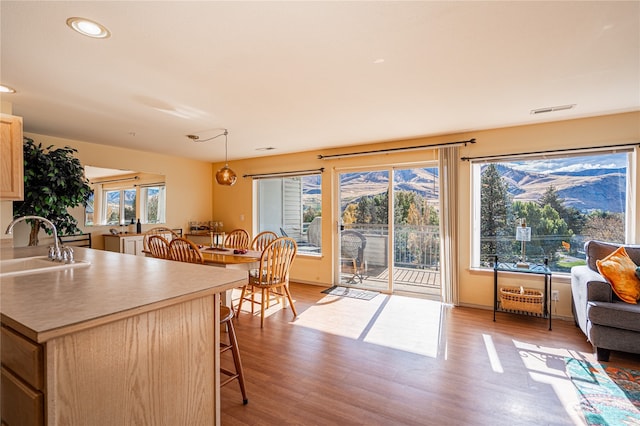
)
(415, 246)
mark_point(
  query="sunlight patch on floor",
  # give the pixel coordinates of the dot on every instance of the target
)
(342, 316)
(494, 359)
(546, 365)
(404, 323)
(408, 324)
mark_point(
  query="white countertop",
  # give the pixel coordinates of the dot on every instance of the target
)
(46, 305)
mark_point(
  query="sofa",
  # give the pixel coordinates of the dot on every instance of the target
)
(608, 322)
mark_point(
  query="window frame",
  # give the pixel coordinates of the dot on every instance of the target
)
(476, 178)
(300, 235)
(101, 192)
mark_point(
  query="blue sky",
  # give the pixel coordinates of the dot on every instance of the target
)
(572, 164)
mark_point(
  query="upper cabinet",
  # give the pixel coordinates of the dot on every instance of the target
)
(11, 162)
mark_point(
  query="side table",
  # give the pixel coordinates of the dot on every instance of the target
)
(538, 269)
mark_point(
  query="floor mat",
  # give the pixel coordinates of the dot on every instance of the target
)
(608, 395)
(354, 293)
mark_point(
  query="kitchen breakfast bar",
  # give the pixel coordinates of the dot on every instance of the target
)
(127, 340)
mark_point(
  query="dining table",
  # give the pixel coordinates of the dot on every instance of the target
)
(227, 258)
(230, 259)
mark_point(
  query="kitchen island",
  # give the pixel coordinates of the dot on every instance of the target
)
(128, 340)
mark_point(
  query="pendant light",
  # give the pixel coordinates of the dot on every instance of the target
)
(226, 176)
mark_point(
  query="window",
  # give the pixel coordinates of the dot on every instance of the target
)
(119, 206)
(152, 198)
(291, 206)
(88, 211)
(565, 200)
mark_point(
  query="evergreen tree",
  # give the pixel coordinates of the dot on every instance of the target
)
(381, 209)
(364, 212)
(551, 198)
(494, 210)
(572, 216)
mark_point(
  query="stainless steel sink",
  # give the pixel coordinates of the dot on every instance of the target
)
(35, 265)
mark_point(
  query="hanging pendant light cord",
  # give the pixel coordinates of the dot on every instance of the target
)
(226, 148)
(196, 138)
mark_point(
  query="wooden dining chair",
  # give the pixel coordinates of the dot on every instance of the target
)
(262, 240)
(159, 247)
(184, 250)
(272, 276)
(237, 239)
(167, 233)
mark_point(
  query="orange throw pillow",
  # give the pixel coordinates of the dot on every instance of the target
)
(620, 270)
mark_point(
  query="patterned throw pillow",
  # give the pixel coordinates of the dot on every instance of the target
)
(620, 271)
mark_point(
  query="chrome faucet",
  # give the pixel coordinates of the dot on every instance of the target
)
(54, 252)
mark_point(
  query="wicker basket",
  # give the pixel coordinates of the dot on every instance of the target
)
(521, 299)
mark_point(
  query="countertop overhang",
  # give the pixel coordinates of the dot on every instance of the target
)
(50, 304)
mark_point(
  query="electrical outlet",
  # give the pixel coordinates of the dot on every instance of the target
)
(555, 295)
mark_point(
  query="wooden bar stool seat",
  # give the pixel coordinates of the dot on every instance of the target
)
(226, 315)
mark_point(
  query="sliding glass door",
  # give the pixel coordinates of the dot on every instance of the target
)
(363, 254)
(404, 257)
(416, 231)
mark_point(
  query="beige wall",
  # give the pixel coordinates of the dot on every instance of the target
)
(234, 205)
(189, 188)
(190, 196)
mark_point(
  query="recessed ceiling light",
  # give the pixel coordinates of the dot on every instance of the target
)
(378, 61)
(88, 27)
(6, 89)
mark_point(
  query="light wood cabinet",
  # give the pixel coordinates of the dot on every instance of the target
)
(157, 367)
(128, 340)
(129, 244)
(22, 381)
(11, 158)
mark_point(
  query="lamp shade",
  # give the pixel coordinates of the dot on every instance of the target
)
(226, 176)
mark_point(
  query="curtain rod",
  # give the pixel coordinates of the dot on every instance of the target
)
(115, 180)
(278, 174)
(399, 149)
(553, 151)
(144, 185)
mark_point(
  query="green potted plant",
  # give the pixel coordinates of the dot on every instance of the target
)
(54, 181)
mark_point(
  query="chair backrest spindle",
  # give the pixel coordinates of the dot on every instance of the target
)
(159, 246)
(262, 240)
(237, 239)
(165, 232)
(184, 250)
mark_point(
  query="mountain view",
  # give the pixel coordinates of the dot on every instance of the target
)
(587, 183)
(586, 190)
(353, 186)
(596, 181)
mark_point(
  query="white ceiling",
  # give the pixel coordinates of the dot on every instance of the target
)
(303, 75)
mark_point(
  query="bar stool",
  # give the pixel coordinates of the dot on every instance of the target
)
(226, 315)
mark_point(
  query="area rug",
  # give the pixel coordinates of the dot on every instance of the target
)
(351, 292)
(608, 395)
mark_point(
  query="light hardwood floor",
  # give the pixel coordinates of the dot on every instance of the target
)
(397, 360)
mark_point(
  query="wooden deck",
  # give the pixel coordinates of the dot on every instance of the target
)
(410, 276)
(420, 281)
